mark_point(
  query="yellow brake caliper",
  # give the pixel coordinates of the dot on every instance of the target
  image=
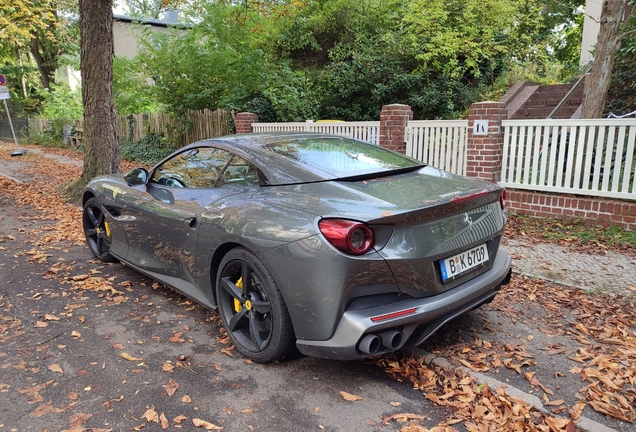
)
(107, 228)
(237, 303)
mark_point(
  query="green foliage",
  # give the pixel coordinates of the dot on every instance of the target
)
(456, 37)
(209, 66)
(149, 150)
(133, 93)
(345, 59)
(62, 107)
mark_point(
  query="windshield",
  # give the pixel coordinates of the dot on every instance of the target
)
(342, 157)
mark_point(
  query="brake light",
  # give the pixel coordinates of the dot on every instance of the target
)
(348, 236)
(502, 199)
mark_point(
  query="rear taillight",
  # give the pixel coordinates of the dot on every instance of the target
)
(502, 199)
(348, 236)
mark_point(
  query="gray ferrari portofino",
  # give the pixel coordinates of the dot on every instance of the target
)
(333, 246)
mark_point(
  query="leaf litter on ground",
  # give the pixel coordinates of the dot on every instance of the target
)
(604, 328)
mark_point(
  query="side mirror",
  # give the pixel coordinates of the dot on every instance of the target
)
(136, 177)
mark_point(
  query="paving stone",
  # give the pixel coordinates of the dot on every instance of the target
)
(608, 272)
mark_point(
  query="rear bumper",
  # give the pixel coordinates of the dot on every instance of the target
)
(357, 328)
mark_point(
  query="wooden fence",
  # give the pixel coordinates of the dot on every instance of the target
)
(194, 126)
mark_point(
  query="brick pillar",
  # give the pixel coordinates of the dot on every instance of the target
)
(393, 121)
(243, 122)
(485, 145)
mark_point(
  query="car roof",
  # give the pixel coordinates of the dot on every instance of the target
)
(277, 168)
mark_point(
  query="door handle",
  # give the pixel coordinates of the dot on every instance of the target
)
(191, 222)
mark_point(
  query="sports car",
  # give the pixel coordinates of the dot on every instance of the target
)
(335, 247)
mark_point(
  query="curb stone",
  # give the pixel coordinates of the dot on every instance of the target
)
(583, 423)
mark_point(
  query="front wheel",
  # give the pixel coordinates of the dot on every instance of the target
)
(97, 231)
(252, 308)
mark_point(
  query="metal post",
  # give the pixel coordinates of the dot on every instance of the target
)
(18, 151)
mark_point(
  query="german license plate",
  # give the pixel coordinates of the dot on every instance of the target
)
(463, 262)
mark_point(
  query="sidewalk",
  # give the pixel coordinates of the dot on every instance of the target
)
(607, 272)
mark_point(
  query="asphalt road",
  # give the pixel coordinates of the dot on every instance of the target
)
(62, 354)
(97, 347)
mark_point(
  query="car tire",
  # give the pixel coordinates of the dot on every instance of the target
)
(96, 231)
(252, 308)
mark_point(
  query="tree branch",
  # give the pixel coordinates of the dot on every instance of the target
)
(627, 33)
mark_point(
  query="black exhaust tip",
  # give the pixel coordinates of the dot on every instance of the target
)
(392, 339)
(370, 344)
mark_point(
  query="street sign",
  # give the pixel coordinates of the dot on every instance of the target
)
(2, 80)
(4, 92)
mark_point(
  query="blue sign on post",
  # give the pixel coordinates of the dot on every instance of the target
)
(2, 80)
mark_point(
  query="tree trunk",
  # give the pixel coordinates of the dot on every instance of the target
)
(45, 73)
(101, 153)
(607, 44)
(23, 87)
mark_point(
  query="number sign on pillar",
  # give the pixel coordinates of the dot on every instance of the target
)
(480, 127)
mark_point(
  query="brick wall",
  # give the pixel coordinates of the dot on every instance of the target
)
(531, 101)
(484, 152)
(243, 122)
(589, 210)
(393, 121)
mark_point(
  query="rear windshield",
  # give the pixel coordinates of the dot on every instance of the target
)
(342, 157)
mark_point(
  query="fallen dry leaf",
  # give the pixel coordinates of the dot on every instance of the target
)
(207, 425)
(402, 417)
(55, 368)
(167, 367)
(350, 397)
(77, 420)
(151, 415)
(163, 421)
(129, 357)
(178, 419)
(45, 408)
(186, 399)
(171, 387)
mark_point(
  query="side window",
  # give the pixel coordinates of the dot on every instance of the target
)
(194, 168)
(238, 173)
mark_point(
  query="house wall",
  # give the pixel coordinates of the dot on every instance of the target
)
(125, 35)
(590, 30)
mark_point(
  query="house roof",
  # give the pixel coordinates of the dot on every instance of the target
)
(148, 21)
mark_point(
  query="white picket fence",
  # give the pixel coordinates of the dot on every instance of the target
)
(367, 131)
(587, 157)
(595, 157)
(439, 143)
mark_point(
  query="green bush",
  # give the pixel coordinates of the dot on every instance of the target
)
(63, 107)
(149, 150)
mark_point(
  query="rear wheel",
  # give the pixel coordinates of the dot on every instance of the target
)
(97, 231)
(252, 308)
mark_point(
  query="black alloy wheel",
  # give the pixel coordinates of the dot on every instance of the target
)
(252, 308)
(97, 231)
